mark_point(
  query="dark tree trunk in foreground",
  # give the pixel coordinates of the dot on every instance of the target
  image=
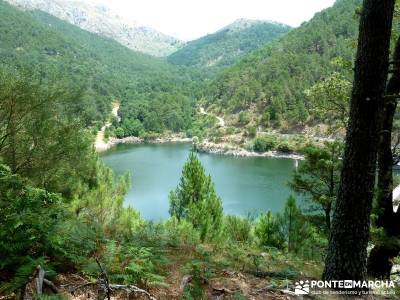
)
(327, 211)
(379, 261)
(347, 250)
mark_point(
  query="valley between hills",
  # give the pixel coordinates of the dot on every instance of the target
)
(238, 165)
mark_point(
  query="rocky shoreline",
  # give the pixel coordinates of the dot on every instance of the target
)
(112, 142)
(203, 147)
(231, 150)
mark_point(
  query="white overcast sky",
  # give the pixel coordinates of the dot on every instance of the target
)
(190, 19)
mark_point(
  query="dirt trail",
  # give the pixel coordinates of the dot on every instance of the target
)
(100, 144)
(221, 121)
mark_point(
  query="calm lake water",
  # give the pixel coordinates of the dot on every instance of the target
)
(246, 185)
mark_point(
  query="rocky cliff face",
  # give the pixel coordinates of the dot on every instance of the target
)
(99, 19)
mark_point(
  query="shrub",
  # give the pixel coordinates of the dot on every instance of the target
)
(195, 131)
(285, 147)
(230, 130)
(243, 118)
(130, 264)
(264, 143)
(150, 136)
(268, 231)
(181, 233)
(265, 119)
(251, 132)
(73, 241)
(201, 270)
(28, 217)
(132, 127)
(237, 229)
(119, 133)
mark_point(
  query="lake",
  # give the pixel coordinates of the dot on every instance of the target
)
(245, 184)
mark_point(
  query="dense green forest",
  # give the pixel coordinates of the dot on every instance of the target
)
(102, 69)
(271, 81)
(156, 96)
(225, 47)
(62, 209)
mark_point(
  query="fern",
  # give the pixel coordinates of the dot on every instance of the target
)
(23, 273)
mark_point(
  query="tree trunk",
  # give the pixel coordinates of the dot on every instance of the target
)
(385, 155)
(327, 210)
(379, 261)
(379, 266)
(347, 250)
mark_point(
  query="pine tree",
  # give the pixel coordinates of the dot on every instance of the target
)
(347, 250)
(268, 231)
(318, 177)
(195, 199)
(380, 259)
(292, 221)
(299, 234)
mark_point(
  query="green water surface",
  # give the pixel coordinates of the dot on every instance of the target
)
(245, 184)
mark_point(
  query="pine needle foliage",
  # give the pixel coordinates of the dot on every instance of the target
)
(196, 201)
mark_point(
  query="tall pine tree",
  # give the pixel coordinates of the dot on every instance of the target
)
(385, 249)
(195, 199)
(347, 250)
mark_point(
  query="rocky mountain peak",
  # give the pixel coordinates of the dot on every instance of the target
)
(99, 19)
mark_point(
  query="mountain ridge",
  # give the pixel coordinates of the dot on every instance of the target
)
(226, 46)
(97, 68)
(271, 81)
(100, 19)
(242, 23)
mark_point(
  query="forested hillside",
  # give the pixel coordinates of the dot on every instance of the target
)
(67, 231)
(272, 80)
(98, 18)
(99, 68)
(226, 46)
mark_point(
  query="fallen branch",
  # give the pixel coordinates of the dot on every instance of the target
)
(35, 284)
(39, 280)
(51, 285)
(131, 289)
(126, 288)
(185, 281)
(103, 281)
(223, 290)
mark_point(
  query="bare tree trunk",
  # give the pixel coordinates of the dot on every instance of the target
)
(327, 211)
(347, 250)
(379, 261)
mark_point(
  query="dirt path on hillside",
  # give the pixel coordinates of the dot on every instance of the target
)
(221, 121)
(100, 144)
